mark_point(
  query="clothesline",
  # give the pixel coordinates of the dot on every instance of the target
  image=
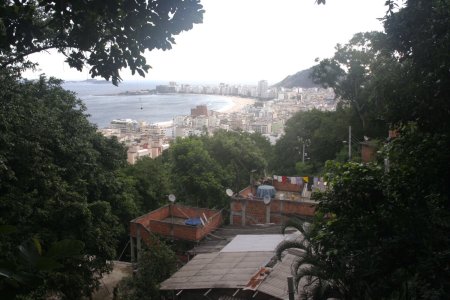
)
(292, 180)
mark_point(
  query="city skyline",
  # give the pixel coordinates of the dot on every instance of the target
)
(247, 41)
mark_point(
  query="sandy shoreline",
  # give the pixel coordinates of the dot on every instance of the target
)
(237, 105)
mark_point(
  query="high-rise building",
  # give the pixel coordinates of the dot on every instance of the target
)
(262, 89)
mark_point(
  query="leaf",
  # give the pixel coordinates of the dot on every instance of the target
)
(37, 245)
(7, 229)
(47, 264)
(65, 248)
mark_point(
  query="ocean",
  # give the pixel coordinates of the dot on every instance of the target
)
(104, 105)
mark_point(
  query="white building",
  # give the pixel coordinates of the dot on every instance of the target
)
(262, 89)
(136, 152)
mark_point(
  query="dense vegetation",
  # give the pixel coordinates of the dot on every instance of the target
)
(381, 230)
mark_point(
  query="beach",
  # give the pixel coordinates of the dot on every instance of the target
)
(238, 104)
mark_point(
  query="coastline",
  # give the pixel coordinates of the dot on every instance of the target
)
(237, 105)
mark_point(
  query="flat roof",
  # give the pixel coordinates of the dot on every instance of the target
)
(254, 243)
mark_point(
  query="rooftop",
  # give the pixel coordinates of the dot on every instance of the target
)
(217, 240)
(176, 221)
(245, 267)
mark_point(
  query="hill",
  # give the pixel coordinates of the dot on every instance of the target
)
(299, 79)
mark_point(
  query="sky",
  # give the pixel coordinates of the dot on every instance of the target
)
(244, 41)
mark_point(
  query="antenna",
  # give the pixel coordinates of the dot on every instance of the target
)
(229, 192)
(172, 198)
(266, 199)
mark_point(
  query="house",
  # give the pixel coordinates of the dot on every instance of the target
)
(288, 198)
(174, 221)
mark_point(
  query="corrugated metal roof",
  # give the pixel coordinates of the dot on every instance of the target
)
(275, 283)
(217, 270)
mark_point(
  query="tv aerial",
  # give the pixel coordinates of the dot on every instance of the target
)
(229, 192)
(172, 198)
(266, 199)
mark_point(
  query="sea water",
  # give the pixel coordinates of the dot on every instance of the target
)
(104, 103)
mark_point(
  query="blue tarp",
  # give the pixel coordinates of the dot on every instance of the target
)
(193, 222)
(264, 190)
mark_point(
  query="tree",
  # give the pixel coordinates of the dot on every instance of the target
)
(197, 178)
(313, 274)
(107, 36)
(319, 133)
(350, 73)
(58, 182)
(150, 180)
(417, 36)
(156, 264)
(382, 233)
(240, 154)
(381, 230)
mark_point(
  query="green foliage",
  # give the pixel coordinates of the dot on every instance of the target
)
(314, 276)
(381, 230)
(321, 132)
(383, 234)
(33, 261)
(239, 154)
(58, 181)
(418, 38)
(203, 168)
(107, 36)
(350, 72)
(156, 264)
(305, 169)
(198, 179)
(150, 182)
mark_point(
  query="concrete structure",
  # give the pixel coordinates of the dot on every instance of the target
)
(368, 151)
(263, 89)
(125, 125)
(263, 128)
(170, 221)
(291, 200)
(136, 152)
(200, 110)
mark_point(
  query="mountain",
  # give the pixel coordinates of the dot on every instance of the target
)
(299, 79)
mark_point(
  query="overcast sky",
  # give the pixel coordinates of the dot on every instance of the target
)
(249, 40)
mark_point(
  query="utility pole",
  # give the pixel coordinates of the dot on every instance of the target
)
(291, 290)
(303, 152)
(349, 143)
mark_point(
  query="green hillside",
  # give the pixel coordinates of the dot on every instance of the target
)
(299, 79)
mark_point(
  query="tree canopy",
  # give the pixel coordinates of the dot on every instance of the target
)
(320, 133)
(381, 229)
(107, 36)
(58, 182)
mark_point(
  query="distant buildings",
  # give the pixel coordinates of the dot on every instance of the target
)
(263, 88)
(267, 116)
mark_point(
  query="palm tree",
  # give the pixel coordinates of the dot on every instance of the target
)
(310, 269)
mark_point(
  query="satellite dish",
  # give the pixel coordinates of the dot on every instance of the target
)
(229, 192)
(172, 198)
(266, 199)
